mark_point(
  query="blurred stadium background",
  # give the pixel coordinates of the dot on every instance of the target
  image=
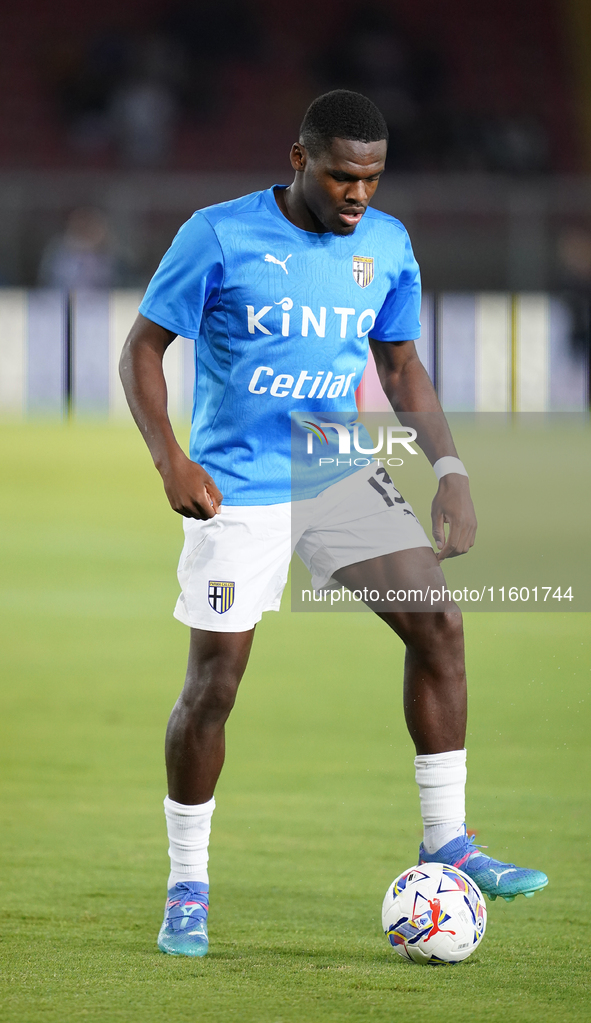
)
(118, 121)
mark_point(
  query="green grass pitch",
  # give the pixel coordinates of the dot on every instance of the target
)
(317, 806)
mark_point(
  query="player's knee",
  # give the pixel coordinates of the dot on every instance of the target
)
(451, 625)
(447, 642)
(211, 701)
(437, 634)
(447, 630)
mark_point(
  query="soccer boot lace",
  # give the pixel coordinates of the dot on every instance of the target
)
(495, 879)
(184, 929)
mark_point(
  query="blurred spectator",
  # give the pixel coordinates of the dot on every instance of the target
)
(85, 77)
(515, 145)
(143, 110)
(211, 37)
(574, 254)
(122, 89)
(574, 258)
(142, 116)
(83, 256)
(408, 80)
(404, 78)
(129, 89)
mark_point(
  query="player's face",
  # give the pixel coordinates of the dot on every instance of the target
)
(338, 184)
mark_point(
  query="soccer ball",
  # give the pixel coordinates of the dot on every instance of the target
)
(434, 914)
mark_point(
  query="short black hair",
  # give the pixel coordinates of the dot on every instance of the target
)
(341, 114)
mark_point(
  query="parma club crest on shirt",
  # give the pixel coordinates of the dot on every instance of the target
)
(363, 270)
(221, 595)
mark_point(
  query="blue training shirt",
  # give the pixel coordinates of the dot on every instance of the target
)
(281, 319)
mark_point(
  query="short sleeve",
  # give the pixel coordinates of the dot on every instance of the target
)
(398, 319)
(188, 280)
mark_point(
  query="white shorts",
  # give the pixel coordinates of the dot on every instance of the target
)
(234, 566)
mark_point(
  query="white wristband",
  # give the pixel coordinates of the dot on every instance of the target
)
(443, 466)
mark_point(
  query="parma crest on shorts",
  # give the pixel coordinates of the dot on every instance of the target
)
(221, 595)
(363, 270)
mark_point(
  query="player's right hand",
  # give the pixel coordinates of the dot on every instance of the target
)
(190, 489)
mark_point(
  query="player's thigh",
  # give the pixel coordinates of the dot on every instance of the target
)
(406, 580)
(359, 520)
(412, 598)
(216, 664)
(220, 656)
(233, 568)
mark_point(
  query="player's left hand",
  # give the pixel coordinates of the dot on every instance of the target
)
(452, 504)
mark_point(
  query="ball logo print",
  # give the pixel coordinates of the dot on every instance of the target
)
(438, 917)
(434, 915)
(408, 878)
(221, 595)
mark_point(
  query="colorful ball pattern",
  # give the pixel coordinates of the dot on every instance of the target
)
(434, 914)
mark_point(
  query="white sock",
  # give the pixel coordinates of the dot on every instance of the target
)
(441, 778)
(188, 835)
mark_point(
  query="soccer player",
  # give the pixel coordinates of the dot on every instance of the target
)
(283, 292)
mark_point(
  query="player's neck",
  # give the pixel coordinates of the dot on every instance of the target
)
(293, 206)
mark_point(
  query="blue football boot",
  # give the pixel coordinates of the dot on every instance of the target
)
(495, 879)
(184, 930)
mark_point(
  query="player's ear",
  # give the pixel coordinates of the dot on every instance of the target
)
(298, 156)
